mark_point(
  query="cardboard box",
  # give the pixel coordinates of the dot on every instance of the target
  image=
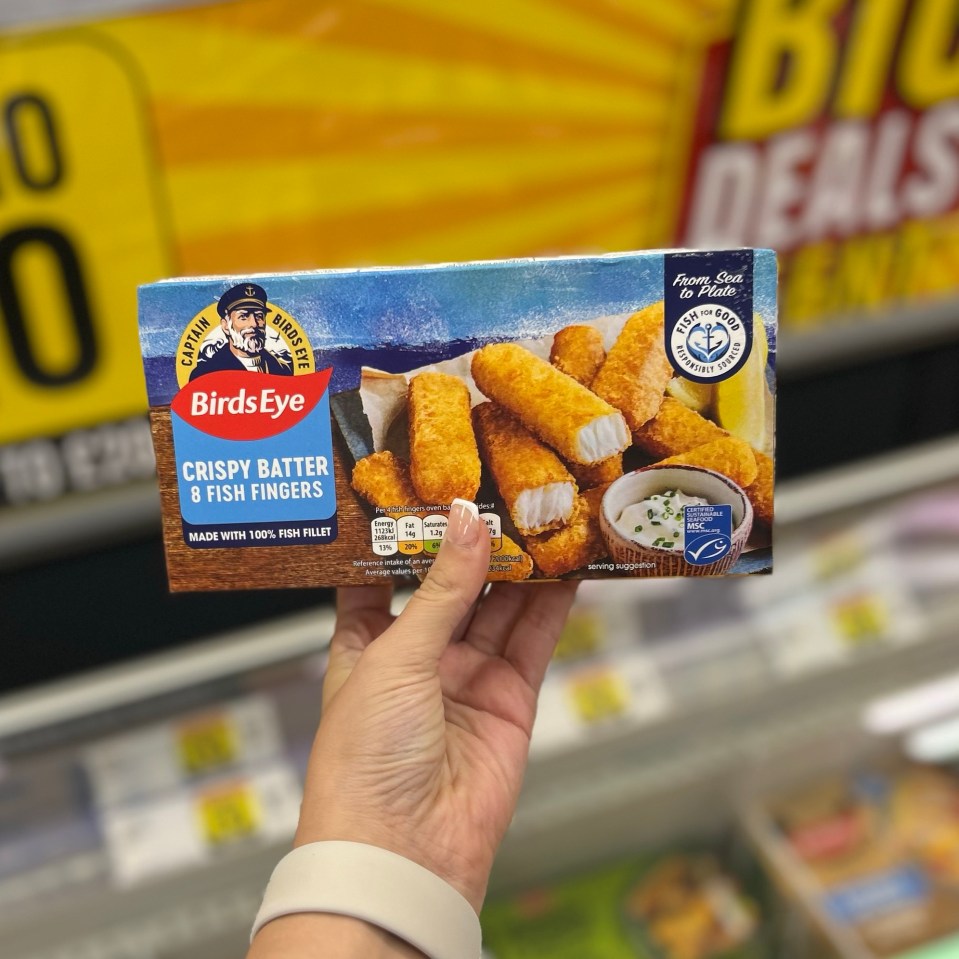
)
(312, 429)
(871, 855)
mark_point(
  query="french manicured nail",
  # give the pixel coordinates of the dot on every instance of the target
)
(464, 523)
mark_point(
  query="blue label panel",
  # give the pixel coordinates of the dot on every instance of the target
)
(234, 488)
(292, 533)
(875, 895)
(708, 533)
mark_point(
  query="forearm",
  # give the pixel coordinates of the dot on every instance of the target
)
(326, 936)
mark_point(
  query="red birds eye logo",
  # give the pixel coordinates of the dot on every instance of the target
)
(237, 406)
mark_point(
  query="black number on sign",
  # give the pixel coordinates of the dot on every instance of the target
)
(18, 324)
(17, 109)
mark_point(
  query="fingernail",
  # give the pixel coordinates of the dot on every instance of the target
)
(464, 523)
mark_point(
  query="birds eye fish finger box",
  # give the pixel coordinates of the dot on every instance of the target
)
(610, 416)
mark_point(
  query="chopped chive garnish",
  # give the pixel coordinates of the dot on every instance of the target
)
(668, 545)
(638, 529)
(656, 522)
(649, 514)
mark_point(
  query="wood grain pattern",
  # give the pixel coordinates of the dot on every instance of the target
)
(265, 567)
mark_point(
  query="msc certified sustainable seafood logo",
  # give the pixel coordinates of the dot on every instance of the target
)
(703, 550)
(709, 342)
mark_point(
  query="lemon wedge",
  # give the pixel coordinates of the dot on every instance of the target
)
(697, 396)
(740, 401)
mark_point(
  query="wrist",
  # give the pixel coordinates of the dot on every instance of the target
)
(327, 936)
(424, 847)
(386, 890)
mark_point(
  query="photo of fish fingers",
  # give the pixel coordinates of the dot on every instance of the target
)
(676, 429)
(730, 456)
(636, 372)
(557, 409)
(760, 491)
(599, 474)
(538, 490)
(383, 480)
(575, 545)
(510, 563)
(579, 352)
(444, 459)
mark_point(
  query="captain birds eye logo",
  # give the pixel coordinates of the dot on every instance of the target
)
(241, 331)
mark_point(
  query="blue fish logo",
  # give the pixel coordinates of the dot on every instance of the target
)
(703, 550)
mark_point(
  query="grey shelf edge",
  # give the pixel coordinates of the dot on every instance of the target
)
(54, 13)
(841, 340)
(227, 654)
(77, 522)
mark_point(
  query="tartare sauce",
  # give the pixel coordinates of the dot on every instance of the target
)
(658, 520)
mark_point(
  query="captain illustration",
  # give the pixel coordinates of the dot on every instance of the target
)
(243, 312)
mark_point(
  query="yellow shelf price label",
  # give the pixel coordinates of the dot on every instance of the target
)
(229, 813)
(598, 695)
(80, 227)
(581, 636)
(861, 619)
(207, 744)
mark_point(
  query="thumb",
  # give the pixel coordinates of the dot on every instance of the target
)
(424, 628)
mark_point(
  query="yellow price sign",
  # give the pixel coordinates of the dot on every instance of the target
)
(599, 695)
(80, 227)
(229, 814)
(582, 635)
(206, 745)
(861, 619)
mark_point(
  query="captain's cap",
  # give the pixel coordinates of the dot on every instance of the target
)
(244, 294)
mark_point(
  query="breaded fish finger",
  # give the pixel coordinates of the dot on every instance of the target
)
(509, 563)
(730, 456)
(575, 545)
(383, 480)
(579, 352)
(599, 474)
(676, 429)
(636, 371)
(537, 488)
(760, 491)
(444, 460)
(580, 426)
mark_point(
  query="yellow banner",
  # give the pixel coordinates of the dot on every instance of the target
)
(261, 135)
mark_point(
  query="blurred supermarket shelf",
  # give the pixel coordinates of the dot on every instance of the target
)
(630, 785)
(112, 689)
(579, 803)
(882, 477)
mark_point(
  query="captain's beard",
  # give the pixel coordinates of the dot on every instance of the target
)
(249, 341)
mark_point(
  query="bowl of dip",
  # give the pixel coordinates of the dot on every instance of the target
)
(642, 519)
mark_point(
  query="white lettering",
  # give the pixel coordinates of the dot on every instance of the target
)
(268, 401)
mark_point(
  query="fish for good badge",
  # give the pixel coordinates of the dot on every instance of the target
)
(708, 306)
(251, 428)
